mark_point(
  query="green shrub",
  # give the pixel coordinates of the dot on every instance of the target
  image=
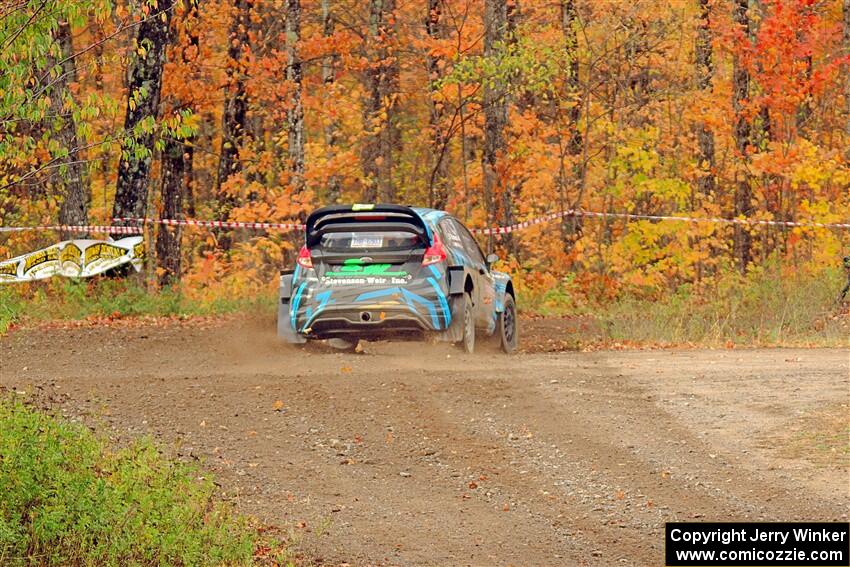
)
(11, 306)
(66, 499)
(74, 299)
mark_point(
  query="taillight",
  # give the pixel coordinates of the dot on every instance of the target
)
(435, 253)
(304, 259)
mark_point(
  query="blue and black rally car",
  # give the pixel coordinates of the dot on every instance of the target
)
(377, 271)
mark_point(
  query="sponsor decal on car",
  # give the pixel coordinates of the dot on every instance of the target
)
(355, 267)
(371, 280)
(355, 272)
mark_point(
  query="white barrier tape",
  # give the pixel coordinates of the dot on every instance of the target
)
(631, 216)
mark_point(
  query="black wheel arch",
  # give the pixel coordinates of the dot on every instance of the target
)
(509, 290)
(468, 286)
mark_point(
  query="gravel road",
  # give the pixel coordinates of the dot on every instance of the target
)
(414, 454)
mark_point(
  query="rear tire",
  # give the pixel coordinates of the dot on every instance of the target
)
(343, 344)
(468, 340)
(508, 328)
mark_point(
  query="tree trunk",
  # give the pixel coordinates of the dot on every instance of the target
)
(761, 129)
(637, 50)
(704, 73)
(74, 208)
(233, 120)
(168, 238)
(495, 109)
(438, 186)
(131, 191)
(176, 167)
(329, 65)
(190, 56)
(846, 74)
(189, 166)
(512, 193)
(570, 226)
(804, 113)
(383, 136)
(295, 112)
(742, 132)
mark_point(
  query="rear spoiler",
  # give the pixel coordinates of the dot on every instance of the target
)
(358, 217)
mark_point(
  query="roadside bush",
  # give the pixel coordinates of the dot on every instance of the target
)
(70, 299)
(766, 307)
(11, 306)
(66, 499)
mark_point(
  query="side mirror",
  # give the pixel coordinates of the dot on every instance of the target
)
(492, 259)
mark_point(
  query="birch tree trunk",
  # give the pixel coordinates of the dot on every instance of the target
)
(295, 112)
(131, 192)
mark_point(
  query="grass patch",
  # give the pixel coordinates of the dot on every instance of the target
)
(821, 436)
(75, 299)
(767, 307)
(764, 308)
(67, 499)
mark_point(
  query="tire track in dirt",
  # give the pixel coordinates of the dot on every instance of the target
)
(417, 454)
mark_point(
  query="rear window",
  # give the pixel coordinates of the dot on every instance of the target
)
(371, 240)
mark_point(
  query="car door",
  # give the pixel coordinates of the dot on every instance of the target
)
(452, 241)
(458, 254)
(485, 285)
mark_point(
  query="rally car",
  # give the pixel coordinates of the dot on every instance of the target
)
(389, 271)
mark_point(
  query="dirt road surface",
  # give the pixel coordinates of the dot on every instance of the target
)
(412, 454)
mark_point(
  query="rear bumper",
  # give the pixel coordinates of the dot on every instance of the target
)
(366, 322)
(388, 311)
(310, 309)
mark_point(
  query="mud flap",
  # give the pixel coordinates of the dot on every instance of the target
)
(284, 325)
(456, 281)
(454, 333)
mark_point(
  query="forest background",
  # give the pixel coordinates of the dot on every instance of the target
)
(499, 111)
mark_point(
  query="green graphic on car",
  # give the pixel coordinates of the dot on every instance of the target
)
(356, 267)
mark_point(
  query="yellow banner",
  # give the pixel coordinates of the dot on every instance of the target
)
(74, 259)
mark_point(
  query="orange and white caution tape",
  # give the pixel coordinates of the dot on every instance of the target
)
(276, 226)
(282, 226)
(75, 228)
(631, 216)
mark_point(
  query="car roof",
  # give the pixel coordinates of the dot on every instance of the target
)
(432, 216)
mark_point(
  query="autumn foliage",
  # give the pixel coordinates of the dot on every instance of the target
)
(497, 110)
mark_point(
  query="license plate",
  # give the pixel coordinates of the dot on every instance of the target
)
(367, 241)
